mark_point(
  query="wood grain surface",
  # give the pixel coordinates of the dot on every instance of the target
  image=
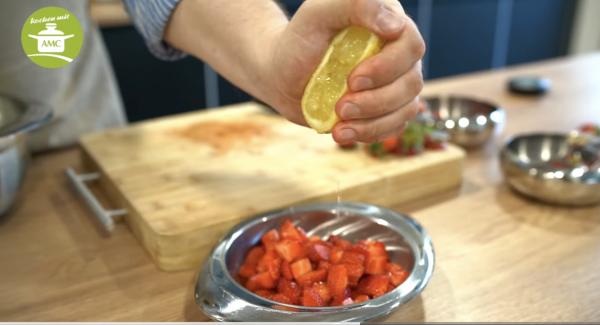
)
(500, 257)
(186, 180)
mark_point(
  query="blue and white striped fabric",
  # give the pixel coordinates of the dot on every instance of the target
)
(150, 17)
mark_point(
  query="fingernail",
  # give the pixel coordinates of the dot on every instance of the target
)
(389, 21)
(349, 110)
(361, 83)
(347, 134)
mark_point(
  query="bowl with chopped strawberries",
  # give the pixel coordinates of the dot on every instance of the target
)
(317, 262)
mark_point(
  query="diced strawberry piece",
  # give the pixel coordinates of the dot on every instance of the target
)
(324, 265)
(376, 248)
(314, 238)
(261, 281)
(270, 262)
(347, 301)
(311, 298)
(254, 255)
(339, 242)
(246, 270)
(281, 299)
(286, 270)
(374, 285)
(318, 252)
(289, 289)
(308, 278)
(355, 271)
(361, 298)
(337, 280)
(270, 239)
(361, 249)
(335, 255)
(350, 257)
(376, 265)
(390, 144)
(396, 273)
(264, 293)
(323, 291)
(289, 231)
(301, 267)
(289, 250)
(339, 300)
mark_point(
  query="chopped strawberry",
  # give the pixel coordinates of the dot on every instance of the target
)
(336, 255)
(254, 255)
(286, 270)
(246, 270)
(260, 281)
(270, 262)
(347, 301)
(374, 285)
(308, 278)
(361, 298)
(289, 289)
(396, 273)
(281, 298)
(376, 248)
(270, 239)
(339, 299)
(355, 271)
(289, 250)
(323, 291)
(324, 265)
(337, 280)
(376, 265)
(314, 238)
(350, 257)
(318, 252)
(289, 231)
(264, 293)
(301, 267)
(339, 242)
(390, 144)
(311, 298)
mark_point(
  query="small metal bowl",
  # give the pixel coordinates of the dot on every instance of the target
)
(221, 298)
(469, 122)
(527, 164)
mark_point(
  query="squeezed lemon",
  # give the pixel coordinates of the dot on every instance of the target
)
(329, 82)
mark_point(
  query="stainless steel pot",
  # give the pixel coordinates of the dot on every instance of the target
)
(16, 119)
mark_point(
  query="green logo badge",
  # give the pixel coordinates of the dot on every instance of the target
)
(52, 37)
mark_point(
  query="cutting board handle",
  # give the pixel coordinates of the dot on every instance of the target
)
(106, 217)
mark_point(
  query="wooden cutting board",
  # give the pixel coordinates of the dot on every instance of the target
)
(186, 180)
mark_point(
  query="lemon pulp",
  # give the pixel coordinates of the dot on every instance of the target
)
(329, 81)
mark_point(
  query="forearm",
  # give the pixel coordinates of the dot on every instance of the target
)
(232, 36)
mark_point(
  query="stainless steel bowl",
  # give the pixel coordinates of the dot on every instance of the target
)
(527, 164)
(221, 298)
(469, 122)
(16, 119)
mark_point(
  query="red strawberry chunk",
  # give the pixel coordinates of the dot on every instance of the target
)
(290, 289)
(337, 280)
(308, 278)
(286, 270)
(301, 267)
(260, 281)
(270, 239)
(374, 285)
(311, 298)
(350, 257)
(318, 251)
(289, 231)
(396, 273)
(376, 265)
(323, 291)
(281, 298)
(289, 250)
(355, 271)
(361, 298)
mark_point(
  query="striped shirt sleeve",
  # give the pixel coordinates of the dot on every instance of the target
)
(150, 18)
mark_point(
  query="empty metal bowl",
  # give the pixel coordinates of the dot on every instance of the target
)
(469, 122)
(531, 166)
(221, 298)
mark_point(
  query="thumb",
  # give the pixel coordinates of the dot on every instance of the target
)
(386, 18)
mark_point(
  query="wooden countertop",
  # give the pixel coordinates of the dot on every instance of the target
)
(500, 257)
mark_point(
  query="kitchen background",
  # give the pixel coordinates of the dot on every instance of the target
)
(462, 36)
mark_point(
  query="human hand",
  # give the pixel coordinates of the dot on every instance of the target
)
(382, 90)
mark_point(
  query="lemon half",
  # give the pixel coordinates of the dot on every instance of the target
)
(329, 82)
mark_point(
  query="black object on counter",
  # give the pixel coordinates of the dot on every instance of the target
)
(529, 85)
